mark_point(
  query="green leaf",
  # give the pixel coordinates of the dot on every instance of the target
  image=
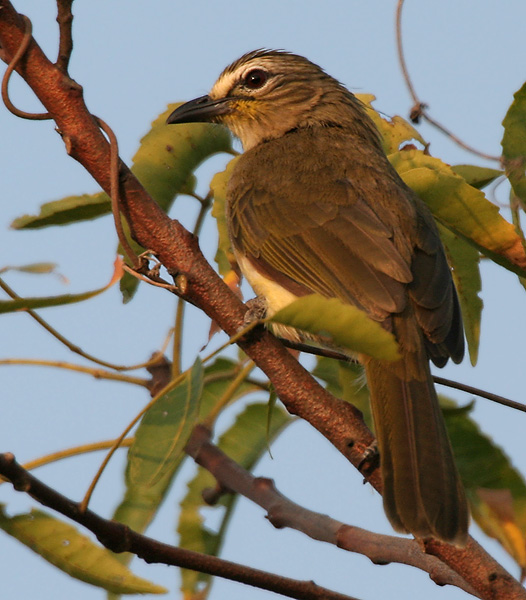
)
(141, 502)
(338, 325)
(40, 268)
(67, 210)
(164, 164)
(478, 177)
(496, 490)
(395, 131)
(346, 381)
(164, 431)
(63, 546)
(272, 399)
(514, 143)
(33, 303)
(461, 208)
(245, 442)
(224, 256)
(464, 260)
(169, 154)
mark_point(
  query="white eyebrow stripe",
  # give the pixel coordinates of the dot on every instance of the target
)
(227, 79)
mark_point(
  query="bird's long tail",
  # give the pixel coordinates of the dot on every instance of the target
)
(423, 494)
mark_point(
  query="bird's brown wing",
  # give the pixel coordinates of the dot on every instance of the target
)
(315, 222)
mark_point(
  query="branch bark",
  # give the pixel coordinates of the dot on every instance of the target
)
(282, 512)
(120, 538)
(179, 251)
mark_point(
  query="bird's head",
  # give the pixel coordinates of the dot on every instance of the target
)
(267, 93)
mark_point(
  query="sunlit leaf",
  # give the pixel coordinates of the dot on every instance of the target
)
(67, 210)
(245, 442)
(464, 260)
(62, 545)
(461, 208)
(169, 154)
(395, 131)
(34, 303)
(164, 164)
(141, 502)
(39, 268)
(340, 325)
(224, 255)
(514, 143)
(164, 431)
(478, 177)
(495, 489)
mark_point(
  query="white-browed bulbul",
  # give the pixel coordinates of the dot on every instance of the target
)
(315, 206)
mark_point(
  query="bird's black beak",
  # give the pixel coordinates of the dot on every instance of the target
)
(201, 109)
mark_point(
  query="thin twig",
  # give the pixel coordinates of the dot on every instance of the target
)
(76, 349)
(478, 392)
(440, 380)
(120, 538)
(420, 108)
(9, 71)
(64, 20)
(148, 279)
(115, 193)
(75, 451)
(60, 364)
(205, 203)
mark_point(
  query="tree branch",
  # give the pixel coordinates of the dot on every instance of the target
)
(120, 538)
(179, 251)
(64, 20)
(282, 512)
(419, 109)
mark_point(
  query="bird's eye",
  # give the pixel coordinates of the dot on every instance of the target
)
(255, 79)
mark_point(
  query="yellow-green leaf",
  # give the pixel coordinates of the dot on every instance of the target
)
(39, 268)
(496, 490)
(514, 143)
(34, 303)
(339, 325)
(464, 260)
(66, 210)
(395, 131)
(164, 431)
(164, 164)
(244, 442)
(62, 545)
(346, 381)
(141, 502)
(224, 255)
(461, 208)
(478, 177)
(169, 154)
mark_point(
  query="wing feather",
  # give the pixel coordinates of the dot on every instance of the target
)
(361, 239)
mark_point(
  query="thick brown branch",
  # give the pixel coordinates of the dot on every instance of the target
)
(282, 512)
(178, 250)
(120, 538)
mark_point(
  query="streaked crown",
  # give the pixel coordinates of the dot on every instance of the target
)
(271, 92)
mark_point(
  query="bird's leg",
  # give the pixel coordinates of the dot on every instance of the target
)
(370, 459)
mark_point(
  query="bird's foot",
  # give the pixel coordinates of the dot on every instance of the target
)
(370, 459)
(257, 310)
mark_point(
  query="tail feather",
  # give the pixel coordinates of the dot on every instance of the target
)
(423, 494)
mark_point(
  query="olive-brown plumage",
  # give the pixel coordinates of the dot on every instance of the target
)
(315, 206)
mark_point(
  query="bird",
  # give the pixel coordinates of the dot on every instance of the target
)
(314, 206)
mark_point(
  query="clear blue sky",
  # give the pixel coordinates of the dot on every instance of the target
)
(132, 58)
